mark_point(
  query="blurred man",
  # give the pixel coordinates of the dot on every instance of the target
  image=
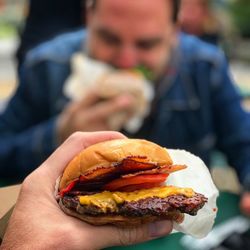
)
(196, 106)
(197, 17)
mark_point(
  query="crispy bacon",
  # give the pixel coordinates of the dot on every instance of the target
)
(159, 170)
(97, 178)
(128, 165)
(97, 172)
(135, 164)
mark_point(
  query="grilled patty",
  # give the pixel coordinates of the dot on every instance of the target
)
(149, 206)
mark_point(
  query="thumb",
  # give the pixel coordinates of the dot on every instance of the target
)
(245, 203)
(117, 236)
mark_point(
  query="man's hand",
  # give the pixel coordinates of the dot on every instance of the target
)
(38, 223)
(245, 203)
(90, 114)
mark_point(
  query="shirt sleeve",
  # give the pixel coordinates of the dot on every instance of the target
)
(232, 125)
(27, 130)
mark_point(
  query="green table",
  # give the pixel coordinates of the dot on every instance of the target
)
(227, 208)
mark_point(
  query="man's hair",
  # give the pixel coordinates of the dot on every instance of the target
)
(175, 3)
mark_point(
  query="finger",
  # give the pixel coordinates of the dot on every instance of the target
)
(245, 203)
(89, 99)
(116, 236)
(78, 141)
(107, 108)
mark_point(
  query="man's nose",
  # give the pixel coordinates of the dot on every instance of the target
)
(126, 58)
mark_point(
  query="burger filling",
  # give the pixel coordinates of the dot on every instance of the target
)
(132, 187)
(133, 173)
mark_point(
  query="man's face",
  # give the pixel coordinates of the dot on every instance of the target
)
(130, 33)
(192, 15)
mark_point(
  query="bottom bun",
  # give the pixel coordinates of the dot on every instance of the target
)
(120, 220)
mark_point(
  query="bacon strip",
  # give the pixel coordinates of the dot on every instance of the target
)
(128, 165)
(97, 172)
(159, 170)
(132, 166)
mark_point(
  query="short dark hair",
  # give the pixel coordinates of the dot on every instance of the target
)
(176, 6)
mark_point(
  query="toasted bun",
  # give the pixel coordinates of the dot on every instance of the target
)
(122, 221)
(105, 153)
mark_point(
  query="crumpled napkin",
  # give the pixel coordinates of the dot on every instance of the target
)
(196, 176)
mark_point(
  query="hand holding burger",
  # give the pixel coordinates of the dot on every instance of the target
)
(122, 182)
(37, 221)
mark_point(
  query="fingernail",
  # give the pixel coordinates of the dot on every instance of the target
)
(125, 100)
(160, 228)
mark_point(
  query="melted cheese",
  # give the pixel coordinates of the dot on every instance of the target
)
(108, 200)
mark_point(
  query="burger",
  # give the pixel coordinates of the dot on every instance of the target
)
(123, 182)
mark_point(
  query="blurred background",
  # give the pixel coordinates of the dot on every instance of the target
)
(221, 22)
(226, 23)
(25, 24)
(12, 14)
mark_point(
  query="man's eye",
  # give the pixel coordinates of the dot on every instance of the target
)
(110, 40)
(147, 45)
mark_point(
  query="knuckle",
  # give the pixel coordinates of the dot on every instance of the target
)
(26, 184)
(132, 235)
(76, 137)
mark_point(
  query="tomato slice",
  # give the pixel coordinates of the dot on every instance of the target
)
(141, 181)
(131, 188)
(68, 188)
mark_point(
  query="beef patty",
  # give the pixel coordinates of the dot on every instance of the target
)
(149, 206)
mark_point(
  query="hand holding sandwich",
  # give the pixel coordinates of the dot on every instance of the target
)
(38, 223)
(90, 114)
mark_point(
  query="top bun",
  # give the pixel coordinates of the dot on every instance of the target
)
(105, 153)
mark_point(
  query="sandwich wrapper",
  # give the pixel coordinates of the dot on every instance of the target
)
(88, 73)
(196, 176)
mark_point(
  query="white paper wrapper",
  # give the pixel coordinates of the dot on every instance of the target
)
(196, 176)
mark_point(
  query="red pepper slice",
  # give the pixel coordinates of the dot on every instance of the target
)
(141, 181)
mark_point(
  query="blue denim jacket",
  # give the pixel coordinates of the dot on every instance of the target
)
(197, 107)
